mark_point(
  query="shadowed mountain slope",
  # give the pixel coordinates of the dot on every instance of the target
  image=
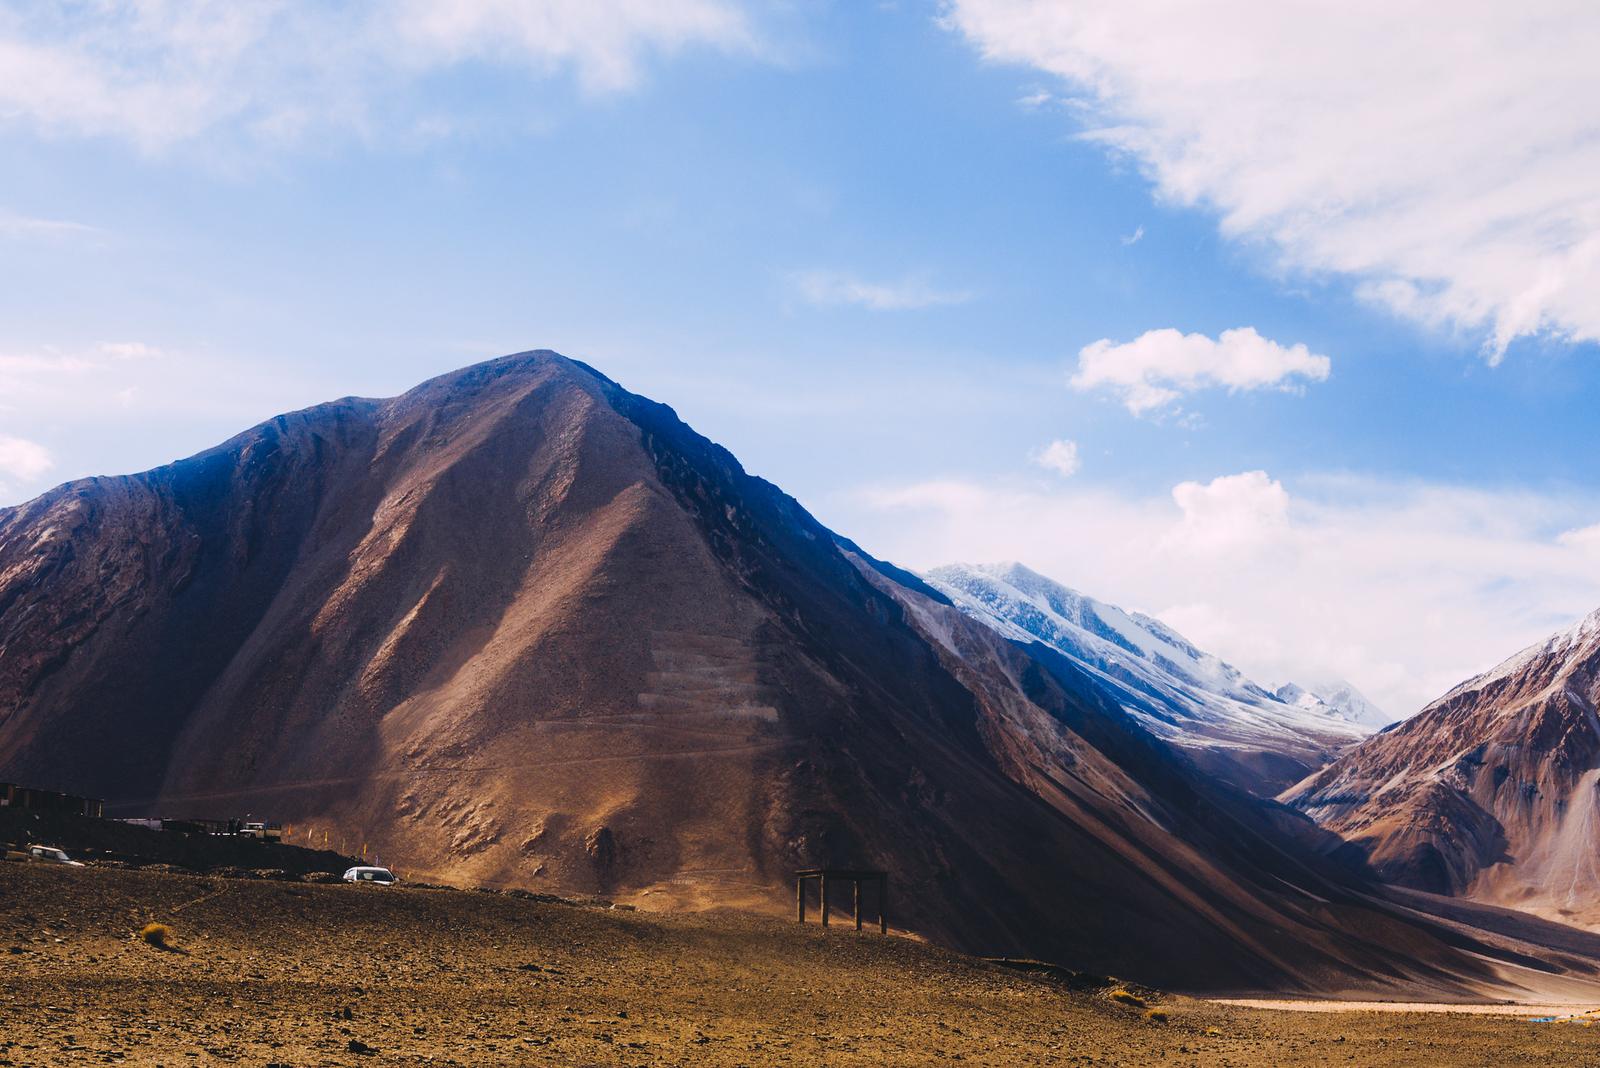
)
(521, 627)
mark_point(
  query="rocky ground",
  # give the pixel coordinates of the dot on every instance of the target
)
(304, 974)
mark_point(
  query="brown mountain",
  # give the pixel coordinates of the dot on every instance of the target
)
(522, 627)
(1492, 792)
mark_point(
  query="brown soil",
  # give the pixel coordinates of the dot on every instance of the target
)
(296, 974)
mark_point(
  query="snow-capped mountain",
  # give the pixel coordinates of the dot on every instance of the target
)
(1231, 726)
(1337, 698)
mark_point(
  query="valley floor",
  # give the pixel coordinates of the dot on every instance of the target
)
(303, 974)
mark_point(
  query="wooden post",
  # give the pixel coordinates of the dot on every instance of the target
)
(800, 898)
(856, 907)
(883, 904)
(822, 881)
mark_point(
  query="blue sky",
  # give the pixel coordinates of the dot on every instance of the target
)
(864, 246)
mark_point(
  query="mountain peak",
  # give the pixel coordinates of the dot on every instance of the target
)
(1335, 698)
(1489, 791)
(1561, 645)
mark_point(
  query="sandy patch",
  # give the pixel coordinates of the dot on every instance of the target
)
(1295, 1005)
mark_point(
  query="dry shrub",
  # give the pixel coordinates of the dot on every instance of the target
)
(1155, 1016)
(156, 934)
(1124, 996)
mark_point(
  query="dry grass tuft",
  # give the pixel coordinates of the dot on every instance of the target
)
(1155, 1016)
(1124, 996)
(156, 934)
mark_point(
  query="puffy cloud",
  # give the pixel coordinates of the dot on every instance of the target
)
(23, 459)
(1441, 154)
(1230, 510)
(826, 288)
(160, 71)
(1152, 371)
(1404, 588)
(1060, 456)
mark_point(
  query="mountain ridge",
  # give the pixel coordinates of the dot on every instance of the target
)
(1231, 726)
(518, 626)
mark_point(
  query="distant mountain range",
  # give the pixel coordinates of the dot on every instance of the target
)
(1235, 729)
(519, 626)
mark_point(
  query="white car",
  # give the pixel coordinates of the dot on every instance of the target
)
(376, 876)
(52, 855)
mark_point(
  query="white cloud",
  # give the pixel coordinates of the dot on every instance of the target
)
(1152, 371)
(602, 39)
(1403, 588)
(23, 459)
(838, 288)
(1229, 511)
(158, 71)
(1441, 154)
(1060, 456)
(1134, 238)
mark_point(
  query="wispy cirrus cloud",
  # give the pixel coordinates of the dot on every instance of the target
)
(158, 73)
(53, 377)
(15, 225)
(834, 288)
(1151, 372)
(1441, 155)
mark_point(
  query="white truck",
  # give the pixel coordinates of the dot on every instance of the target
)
(52, 855)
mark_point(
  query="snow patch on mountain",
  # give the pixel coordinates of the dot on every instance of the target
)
(1338, 699)
(1178, 691)
(1558, 646)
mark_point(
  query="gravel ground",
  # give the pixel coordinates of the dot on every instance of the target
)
(299, 974)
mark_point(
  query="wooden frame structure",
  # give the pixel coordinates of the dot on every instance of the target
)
(846, 875)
